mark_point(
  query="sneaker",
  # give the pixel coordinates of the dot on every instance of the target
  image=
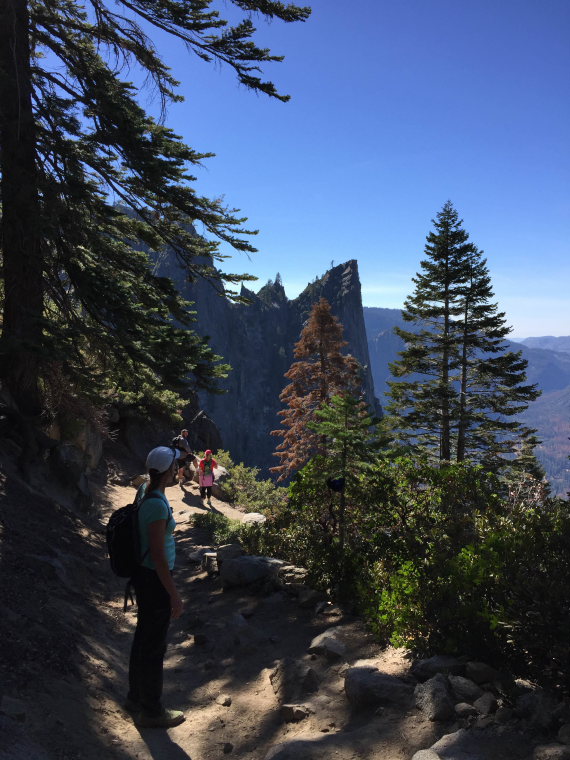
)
(131, 706)
(166, 719)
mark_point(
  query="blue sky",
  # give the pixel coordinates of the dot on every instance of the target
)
(396, 107)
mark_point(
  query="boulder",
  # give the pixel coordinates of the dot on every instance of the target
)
(366, 686)
(228, 551)
(254, 518)
(538, 708)
(480, 672)
(441, 663)
(464, 689)
(486, 704)
(328, 644)
(243, 571)
(433, 698)
(292, 680)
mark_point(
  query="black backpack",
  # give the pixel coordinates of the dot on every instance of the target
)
(177, 443)
(123, 540)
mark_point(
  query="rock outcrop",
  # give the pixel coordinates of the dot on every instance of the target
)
(257, 340)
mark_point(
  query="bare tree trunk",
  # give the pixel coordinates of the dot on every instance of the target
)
(20, 226)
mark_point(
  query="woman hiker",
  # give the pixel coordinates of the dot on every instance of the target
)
(206, 475)
(158, 600)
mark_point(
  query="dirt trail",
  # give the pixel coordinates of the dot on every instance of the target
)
(68, 663)
(205, 664)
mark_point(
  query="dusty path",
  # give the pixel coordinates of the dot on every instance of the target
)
(225, 646)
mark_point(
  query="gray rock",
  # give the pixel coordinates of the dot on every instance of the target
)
(433, 698)
(292, 680)
(473, 744)
(538, 708)
(464, 689)
(243, 571)
(254, 518)
(366, 686)
(480, 672)
(228, 551)
(328, 644)
(224, 700)
(564, 733)
(425, 669)
(426, 754)
(551, 752)
(486, 704)
(465, 710)
(294, 713)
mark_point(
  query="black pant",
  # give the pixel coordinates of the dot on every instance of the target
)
(205, 490)
(149, 643)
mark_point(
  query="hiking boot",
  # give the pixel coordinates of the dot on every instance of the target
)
(166, 719)
(131, 706)
(209, 502)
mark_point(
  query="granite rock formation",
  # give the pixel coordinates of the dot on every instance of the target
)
(257, 340)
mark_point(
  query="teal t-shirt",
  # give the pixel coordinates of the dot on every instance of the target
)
(152, 509)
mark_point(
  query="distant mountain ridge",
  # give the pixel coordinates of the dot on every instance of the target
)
(549, 342)
(550, 369)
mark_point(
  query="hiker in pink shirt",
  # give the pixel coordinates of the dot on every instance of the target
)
(206, 475)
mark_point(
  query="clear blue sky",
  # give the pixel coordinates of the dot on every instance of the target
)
(396, 107)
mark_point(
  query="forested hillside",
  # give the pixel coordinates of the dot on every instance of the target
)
(549, 414)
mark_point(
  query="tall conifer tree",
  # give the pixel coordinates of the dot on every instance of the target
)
(74, 143)
(463, 384)
(320, 372)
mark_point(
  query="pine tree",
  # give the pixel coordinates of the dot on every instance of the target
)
(464, 386)
(345, 426)
(320, 372)
(74, 142)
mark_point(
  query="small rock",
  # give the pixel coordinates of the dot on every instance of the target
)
(433, 698)
(224, 699)
(551, 752)
(564, 733)
(480, 672)
(228, 551)
(426, 754)
(294, 713)
(465, 710)
(13, 708)
(308, 598)
(366, 686)
(425, 669)
(327, 644)
(486, 704)
(198, 555)
(465, 689)
(484, 721)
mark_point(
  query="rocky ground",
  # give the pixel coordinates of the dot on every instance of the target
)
(242, 663)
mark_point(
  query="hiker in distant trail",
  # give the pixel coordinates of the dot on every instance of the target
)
(157, 597)
(206, 475)
(185, 454)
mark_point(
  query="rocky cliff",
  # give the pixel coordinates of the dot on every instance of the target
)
(257, 340)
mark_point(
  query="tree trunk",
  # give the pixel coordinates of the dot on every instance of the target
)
(20, 226)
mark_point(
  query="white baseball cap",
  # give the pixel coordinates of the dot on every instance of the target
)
(160, 459)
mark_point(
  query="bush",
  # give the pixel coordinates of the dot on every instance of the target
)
(246, 490)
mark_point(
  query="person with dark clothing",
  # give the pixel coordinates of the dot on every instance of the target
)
(158, 600)
(184, 453)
